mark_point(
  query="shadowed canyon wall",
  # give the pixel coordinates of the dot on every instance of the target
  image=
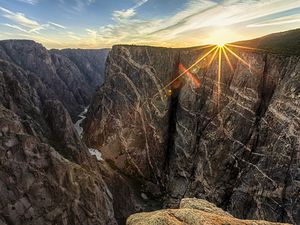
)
(47, 175)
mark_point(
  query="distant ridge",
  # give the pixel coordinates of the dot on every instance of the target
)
(287, 42)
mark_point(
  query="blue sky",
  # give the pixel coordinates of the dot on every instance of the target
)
(171, 23)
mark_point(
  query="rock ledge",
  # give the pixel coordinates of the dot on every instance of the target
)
(192, 211)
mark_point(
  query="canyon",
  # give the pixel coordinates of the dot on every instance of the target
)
(47, 175)
(229, 136)
(238, 148)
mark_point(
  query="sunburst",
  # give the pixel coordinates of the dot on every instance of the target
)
(220, 50)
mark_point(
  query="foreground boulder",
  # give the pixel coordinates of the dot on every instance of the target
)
(191, 212)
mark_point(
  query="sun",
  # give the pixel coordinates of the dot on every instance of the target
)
(221, 36)
(220, 44)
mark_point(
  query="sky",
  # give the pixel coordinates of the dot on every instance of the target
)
(169, 23)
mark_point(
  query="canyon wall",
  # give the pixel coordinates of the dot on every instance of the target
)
(47, 175)
(64, 78)
(234, 143)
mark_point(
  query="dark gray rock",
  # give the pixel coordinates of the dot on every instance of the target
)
(68, 81)
(90, 62)
(39, 186)
(239, 148)
(47, 175)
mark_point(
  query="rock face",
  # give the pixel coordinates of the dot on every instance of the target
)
(63, 76)
(90, 62)
(191, 212)
(238, 148)
(47, 175)
(39, 186)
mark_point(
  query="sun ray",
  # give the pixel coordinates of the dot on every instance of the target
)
(204, 47)
(244, 47)
(227, 59)
(219, 49)
(212, 58)
(238, 57)
(181, 74)
(219, 74)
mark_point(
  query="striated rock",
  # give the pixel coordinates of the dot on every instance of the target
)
(197, 212)
(64, 135)
(70, 82)
(47, 175)
(129, 136)
(238, 148)
(39, 186)
(90, 62)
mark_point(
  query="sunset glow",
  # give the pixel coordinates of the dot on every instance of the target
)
(99, 23)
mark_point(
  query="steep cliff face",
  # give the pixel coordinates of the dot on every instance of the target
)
(47, 173)
(71, 84)
(238, 148)
(133, 136)
(90, 62)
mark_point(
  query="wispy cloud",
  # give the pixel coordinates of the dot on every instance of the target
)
(198, 15)
(75, 6)
(229, 13)
(81, 4)
(124, 14)
(25, 24)
(73, 36)
(196, 23)
(277, 21)
(19, 18)
(32, 2)
(57, 25)
(15, 27)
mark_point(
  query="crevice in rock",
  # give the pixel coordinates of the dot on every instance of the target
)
(266, 91)
(173, 108)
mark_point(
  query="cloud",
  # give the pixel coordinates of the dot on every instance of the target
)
(25, 24)
(229, 13)
(31, 2)
(197, 17)
(277, 21)
(194, 24)
(15, 27)
(73, 36)
(57, 25)
(124, 14)
(19, 18)
(81, 4)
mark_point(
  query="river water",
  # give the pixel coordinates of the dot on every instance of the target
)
(79, 129)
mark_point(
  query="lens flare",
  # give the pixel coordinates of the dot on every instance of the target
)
(191, 76)
(220, 49)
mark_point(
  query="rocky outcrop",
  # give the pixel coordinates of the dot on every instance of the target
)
(238, 148)
(68, 81)
(47, 175)
(197, 212)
